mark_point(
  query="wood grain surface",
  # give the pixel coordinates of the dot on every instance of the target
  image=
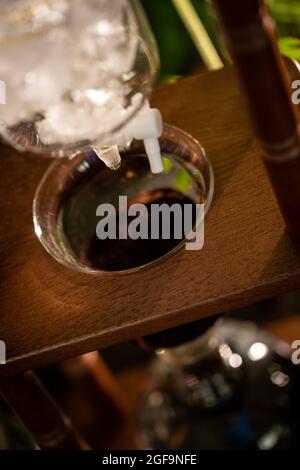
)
(49, 313)
(252, 41)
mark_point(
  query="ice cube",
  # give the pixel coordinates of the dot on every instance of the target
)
(71, 122)
(109, 37)
(47, 82)
(34, 79)
(109, 13)
(70, 75)
(19, 17)
(14, 110)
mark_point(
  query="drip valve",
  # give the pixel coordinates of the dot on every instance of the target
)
(146, 125)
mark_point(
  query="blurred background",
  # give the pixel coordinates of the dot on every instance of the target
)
(190, 42)
(179, 53)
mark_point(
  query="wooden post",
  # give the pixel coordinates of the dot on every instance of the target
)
(95, 401)
(250, 34)
(48, 425)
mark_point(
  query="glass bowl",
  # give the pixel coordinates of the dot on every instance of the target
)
(66, 201)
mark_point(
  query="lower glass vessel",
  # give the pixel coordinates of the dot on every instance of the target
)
(233, 388)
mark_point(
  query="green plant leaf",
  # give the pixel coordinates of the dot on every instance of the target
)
(290, 47)
(285, 9)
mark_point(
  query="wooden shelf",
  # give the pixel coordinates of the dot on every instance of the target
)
(49, 313)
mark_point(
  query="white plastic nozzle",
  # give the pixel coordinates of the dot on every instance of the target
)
(154, 155)
(146, 125)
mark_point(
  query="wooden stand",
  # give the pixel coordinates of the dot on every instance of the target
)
(49, 313)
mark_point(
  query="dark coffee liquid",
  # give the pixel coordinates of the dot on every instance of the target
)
(117, 255)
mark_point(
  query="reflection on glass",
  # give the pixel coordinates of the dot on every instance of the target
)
(233, 388)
